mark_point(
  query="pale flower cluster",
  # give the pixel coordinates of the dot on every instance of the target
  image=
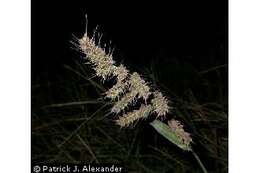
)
(129, 87)
(160, 104)
(177, 128)
(128, 90)
(130, 117)
(103, 63)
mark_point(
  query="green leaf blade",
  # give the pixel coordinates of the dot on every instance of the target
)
(167, 132)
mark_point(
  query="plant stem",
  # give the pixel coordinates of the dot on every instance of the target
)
(199, 161)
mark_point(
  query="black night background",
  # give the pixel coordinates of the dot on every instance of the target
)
(179, 46)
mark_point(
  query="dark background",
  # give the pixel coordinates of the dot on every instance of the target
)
(194, 32)
(181, 47)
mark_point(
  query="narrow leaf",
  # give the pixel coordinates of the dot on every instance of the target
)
(167, 132)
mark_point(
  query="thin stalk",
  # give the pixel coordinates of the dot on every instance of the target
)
(199, 161)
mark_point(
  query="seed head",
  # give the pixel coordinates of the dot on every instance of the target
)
(128, 88)
(130, 117)
(126, 100)
(103, 63)
(121, 73)
(160, 104)
(121, 85)
(117, 90)
(177, 128)
(141, 87)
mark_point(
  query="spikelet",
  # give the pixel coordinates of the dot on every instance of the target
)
(130, 117)
(121, 74)
(126, 100)
(138, 89)
(160, 104)
(138, 84)
(177, 128)
(103, 63)
(117, 89)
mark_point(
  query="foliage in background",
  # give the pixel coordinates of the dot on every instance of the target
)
(70, 125)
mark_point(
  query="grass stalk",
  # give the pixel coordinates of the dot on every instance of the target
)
(199, 161)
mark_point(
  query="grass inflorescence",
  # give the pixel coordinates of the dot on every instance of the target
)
(129, 87)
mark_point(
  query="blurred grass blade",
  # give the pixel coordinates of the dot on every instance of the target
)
(73, 103)
(166, 132)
